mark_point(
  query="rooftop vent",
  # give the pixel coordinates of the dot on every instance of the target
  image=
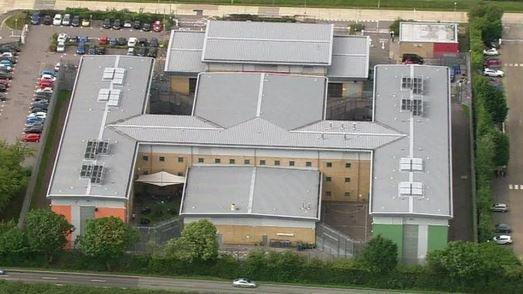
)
(114, 97)
(415, 105)
(95, 147)
(411, 164)
(414, 84)
(108, 73)
(94, 172)
(410, 189)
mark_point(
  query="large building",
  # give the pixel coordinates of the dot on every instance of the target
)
(429, 40)
(257, 152)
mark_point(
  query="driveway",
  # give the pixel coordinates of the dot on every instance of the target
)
(509, 189)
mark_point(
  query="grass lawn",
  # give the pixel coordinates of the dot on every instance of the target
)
(383, 4)
(51, 143)
(16, 21)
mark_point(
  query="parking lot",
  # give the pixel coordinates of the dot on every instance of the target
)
(509, 189)
(35, 57)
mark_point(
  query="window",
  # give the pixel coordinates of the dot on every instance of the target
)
(328, 179)
(348, 165)
(200, 160)
(192, 85)
(145, 158)
(262, 162)
(328, 193)
(162, 158)
(180, 159)
(347, 180)
(291, 163)
(246, 161)
(329, 164)
(276, 162)
(232, 161)
(308, 163)
(217, 160)
(335, 90)
(347, 194)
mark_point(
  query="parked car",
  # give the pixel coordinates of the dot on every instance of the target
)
(494, 44)
(91, 51)
(48, 20)
(57, 20)
(5, 75)
(30, 138)
(132, 42)
(99, 50)
(3, 88)
(3, 97)
(2, 272)
(154, 42)
(35, 109)
(114, 42)
(142, 41)
(153, 52)
(67, 20)
(127, 24)
(130, 51)
(106, 23)
(502, 239)
(503, 228)
(57, 67)
(75, 22)
(141, 51)
(47, 77)
(157, 26)
(146, 27)
(6, 67)
(116, 24)
(491, 52)
(45, 84)
(60, 47)
(34, 129)
(86, 22)
(62, 37)
(121, 41)
(499, 207)
(48, 90)
(33, 120)
(492, 63)
(410, 58)
(41, 115)
(82, 47)
(490, 72)
(103, 40)
(35, 18)
(48, 72)
(4, 82)
(41, 103)
(137, 25)
(244, 283)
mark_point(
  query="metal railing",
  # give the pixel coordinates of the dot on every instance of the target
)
(335, 243)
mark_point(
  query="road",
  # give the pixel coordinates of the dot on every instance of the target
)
(198, 286)
(509, 189)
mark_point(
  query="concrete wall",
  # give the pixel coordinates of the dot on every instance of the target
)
(346, 174)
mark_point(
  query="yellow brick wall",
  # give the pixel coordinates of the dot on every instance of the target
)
(180, 85)
(358, 174)
(250, 235)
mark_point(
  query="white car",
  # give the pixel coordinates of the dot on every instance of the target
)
(130, 51)
(44, 90)
(491, 52)
(37, 114)
(48, 77)
(57, 67)
(132, 42)
(60, 47)
(244, 283)
(62, 37)
(490, 72)
(8, 54)
(6, 67)
(502, 239)
(499, 207)
(57, 20)
(85, 22)
(67, 20)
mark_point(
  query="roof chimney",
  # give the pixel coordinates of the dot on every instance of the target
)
(233, 207)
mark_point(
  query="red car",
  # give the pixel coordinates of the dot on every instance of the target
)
(103, 40)
(30, 138)
(45, 84)
(157, 26)
(492, 63)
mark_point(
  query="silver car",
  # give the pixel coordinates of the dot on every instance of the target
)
(499, 207)
(502, 239)
(244, 283)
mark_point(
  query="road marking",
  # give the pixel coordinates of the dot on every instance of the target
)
(49, 278)
(516, 187)
(510, 187)
(515, 64)
(100, 281)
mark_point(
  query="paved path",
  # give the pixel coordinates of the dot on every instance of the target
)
(198, 286)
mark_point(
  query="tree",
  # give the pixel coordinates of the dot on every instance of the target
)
(471, 263)
(197, 244)
(46, 232)
(12, 240)
(13, 176)
(107, 238)
(502, 149)
(380, 255)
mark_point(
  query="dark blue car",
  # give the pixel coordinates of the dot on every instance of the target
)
(81, 48)
(35, 18)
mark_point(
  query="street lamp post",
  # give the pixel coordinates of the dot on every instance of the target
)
(379, 2)
(455, 4)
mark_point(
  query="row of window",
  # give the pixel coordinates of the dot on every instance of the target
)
(248, 161)
(329, 194)
(329, 179)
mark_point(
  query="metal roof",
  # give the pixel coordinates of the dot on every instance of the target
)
(256, 191)
(350, 57)
(87, 118)
(184, 54)
(428, 32)
(289, 101)
(268, 43)
(420, 161)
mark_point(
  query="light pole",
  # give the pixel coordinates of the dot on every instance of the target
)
(455, 4)
(379, 2)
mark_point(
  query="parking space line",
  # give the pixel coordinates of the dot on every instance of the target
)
(510, 187)
(516, 187)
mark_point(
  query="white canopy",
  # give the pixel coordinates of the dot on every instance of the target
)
(161, 179)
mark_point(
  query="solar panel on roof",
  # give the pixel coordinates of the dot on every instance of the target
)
(95, 147)
(97, 174)
(103, 95)
(87, 170)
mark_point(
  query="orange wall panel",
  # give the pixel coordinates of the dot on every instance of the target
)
(64, 210)
(120, 213)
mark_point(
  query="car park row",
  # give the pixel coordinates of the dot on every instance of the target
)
(8, 59)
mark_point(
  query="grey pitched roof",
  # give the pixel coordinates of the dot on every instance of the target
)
(256, 191)
(350, 57)
(86, 120)
(268, 43)
(436, 32)
(427, 139)
(289, 101)
(184, 54)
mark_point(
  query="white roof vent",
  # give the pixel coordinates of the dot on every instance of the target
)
(410, 189)
(108, 73)
(411, 164)
(114, 97)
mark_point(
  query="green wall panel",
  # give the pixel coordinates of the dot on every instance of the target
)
(437, 237)
(392, 232)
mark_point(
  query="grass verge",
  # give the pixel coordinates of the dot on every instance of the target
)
(448, 5)
(51, 143)
(16, 21)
